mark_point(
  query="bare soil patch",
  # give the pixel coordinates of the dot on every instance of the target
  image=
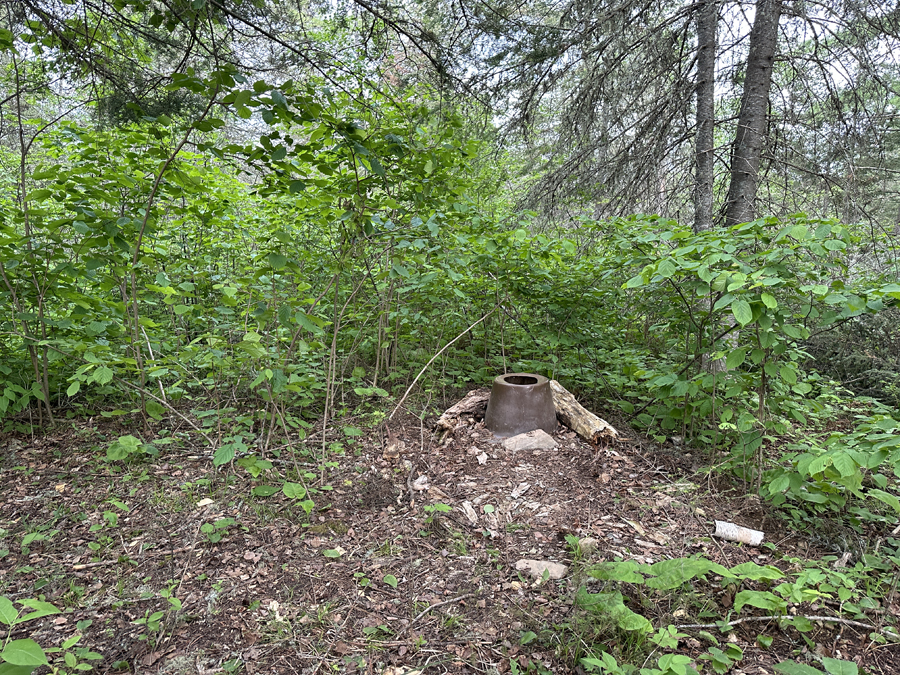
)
(374, 579)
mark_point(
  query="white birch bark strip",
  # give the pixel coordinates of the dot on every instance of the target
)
(732, 532)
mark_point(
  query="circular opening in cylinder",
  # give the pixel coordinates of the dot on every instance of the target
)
(520, 379)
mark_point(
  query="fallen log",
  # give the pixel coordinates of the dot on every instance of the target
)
(583, 422)
(472, 404)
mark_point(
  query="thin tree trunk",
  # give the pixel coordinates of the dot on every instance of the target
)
(751, 131)
(707, 19)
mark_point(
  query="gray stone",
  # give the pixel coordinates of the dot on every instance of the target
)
(532, 440)
(536, 568)
(588, 545)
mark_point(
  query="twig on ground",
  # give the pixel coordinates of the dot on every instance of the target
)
(84, 566)
(827, 619)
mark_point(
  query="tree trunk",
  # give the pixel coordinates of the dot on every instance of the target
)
(707, 19)
(751, 131)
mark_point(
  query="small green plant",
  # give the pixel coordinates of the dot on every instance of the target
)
(723, 660)
(215, 531)
(381, 632)
(41, 534)
(433, 509)
(574, 546)
(299, 494)
(127, 447)
(667, 638)
(254, 465)
(24, 656)
(524, 666)
(153, 621)
(667, 664)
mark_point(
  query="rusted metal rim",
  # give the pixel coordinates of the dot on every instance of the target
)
(520, 402)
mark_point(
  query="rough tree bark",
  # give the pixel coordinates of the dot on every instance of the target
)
(707, 18)
(473, 405)
(596, 431)
(751, 131)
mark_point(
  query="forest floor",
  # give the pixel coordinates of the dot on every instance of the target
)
(375, 580)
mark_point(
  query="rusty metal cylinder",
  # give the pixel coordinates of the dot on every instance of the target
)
(520, 402)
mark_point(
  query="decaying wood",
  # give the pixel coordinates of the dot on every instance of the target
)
(583, 422)
(473, 404)
(743, 535)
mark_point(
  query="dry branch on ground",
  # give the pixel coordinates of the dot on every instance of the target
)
(583, 422)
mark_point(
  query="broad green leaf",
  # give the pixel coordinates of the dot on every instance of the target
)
(779, 484)
(668, 574)
(818, 464)
(293, 490)
(25, 652)
(626, 571)
(277, 261)
(264, 490)
(390, 580)
(527, 637)
(788, 374)
(839, 666)
(278, 99)
(223, 454)
(736, 357)
(844, 464)
(750, 570)
(887, 498)
(740, 308)
(73, 388)
(794, 668)
(39, 195)
(612, 605)
(303, 319)
(331, 553)
(8, 611)
(769, 300)
(666, 269)
(799, 232)
(377, 169)
(761, 599)
(102, 375)
(792, 331)
(155, 409)
(10, 669)
(724, 301)
(40, 607)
